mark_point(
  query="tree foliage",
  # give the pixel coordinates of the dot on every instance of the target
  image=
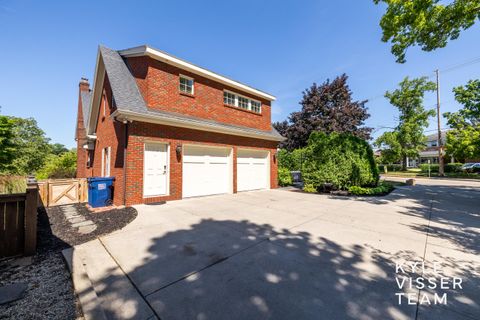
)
(326, 108)
(390, 145)
(407, 139)
(58, 148)
(426, 23)
(32, 146)
(7, 146)
(340, 159)
(463, 140)
(59, 166)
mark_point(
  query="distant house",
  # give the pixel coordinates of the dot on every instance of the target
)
(167, 129)
(430, 153)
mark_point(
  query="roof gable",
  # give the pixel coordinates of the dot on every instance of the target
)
(130, 104)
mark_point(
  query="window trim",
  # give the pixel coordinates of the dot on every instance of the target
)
(236, 105)
(180, 76)
(106, 161)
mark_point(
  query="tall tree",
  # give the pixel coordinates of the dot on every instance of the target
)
(326, 108)
(426, 23)
(408, 139)
(391, 151)
(7, 146)
(463, 140)
(32, 145)
(58, 148)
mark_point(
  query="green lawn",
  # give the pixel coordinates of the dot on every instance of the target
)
(413, 173)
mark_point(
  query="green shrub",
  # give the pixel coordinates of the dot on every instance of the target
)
(340, 159)
(389, 167)
(292, 160)
(453, 167)
(449, 167)
(381, 189)
(284, 177)
(59, 167)
(12, 184)
(433, 167)
(394, 167)
(309, 188)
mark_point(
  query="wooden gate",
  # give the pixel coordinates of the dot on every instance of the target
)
(63, 191)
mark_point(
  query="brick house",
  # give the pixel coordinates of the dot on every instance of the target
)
(167, 129)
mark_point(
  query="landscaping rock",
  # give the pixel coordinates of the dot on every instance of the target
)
(76, 219)
(12, 292)
(410, 182)
(83, 223)
(87, 229)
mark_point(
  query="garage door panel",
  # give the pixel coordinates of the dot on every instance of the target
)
(206, 171)
(252, 170)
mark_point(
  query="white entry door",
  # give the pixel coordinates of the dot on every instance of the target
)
(155, 166)
(206, 171)
(253, 170)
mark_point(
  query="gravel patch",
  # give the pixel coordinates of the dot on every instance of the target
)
(50, 293)
(105, 222)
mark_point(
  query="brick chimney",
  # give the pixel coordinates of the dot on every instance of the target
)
(80, 134)
(84, 85)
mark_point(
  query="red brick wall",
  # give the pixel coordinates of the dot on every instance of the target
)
(158, 82)
(141, 132)
(110, 133)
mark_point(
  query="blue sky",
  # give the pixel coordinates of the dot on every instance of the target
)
(279, 47)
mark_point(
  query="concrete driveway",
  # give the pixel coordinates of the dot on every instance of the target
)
(281, 254)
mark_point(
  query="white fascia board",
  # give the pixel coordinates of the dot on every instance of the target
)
(169, 59)
(99, 78)
(134, 116)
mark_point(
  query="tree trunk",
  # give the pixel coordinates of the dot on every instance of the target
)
(404, 163)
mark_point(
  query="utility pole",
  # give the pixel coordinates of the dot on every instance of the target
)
(441, 171)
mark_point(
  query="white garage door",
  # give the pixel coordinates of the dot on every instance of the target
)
(253, 170)
(206, 171)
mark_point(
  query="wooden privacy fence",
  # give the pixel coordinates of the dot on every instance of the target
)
(18, 222)
(62, 191)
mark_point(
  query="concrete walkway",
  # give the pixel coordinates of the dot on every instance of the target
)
(288, 255)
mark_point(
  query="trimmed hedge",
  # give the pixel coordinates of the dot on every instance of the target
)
(390, 167)
(284, 177)
(340, 159)
(382, 189)
(449, 167)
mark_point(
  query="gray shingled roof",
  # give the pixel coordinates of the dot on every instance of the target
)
(85, 96)
(434, 136)
(125, 90)
(128, 97)
(212, 123)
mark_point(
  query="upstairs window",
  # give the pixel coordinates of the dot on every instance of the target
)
(255, 106)
(243, 103)
(186, 84)
(239, 101)
(228, 98)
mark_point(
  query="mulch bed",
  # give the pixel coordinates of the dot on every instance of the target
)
(106, 222)
(50, 293)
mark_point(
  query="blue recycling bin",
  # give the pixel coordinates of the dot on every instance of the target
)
(100, 191)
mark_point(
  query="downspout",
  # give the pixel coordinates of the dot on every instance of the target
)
(125, 145)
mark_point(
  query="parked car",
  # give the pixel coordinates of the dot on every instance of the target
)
(471, 167)
(475, 168)
(467, 166)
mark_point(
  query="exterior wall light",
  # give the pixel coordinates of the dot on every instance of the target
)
(178, 149)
